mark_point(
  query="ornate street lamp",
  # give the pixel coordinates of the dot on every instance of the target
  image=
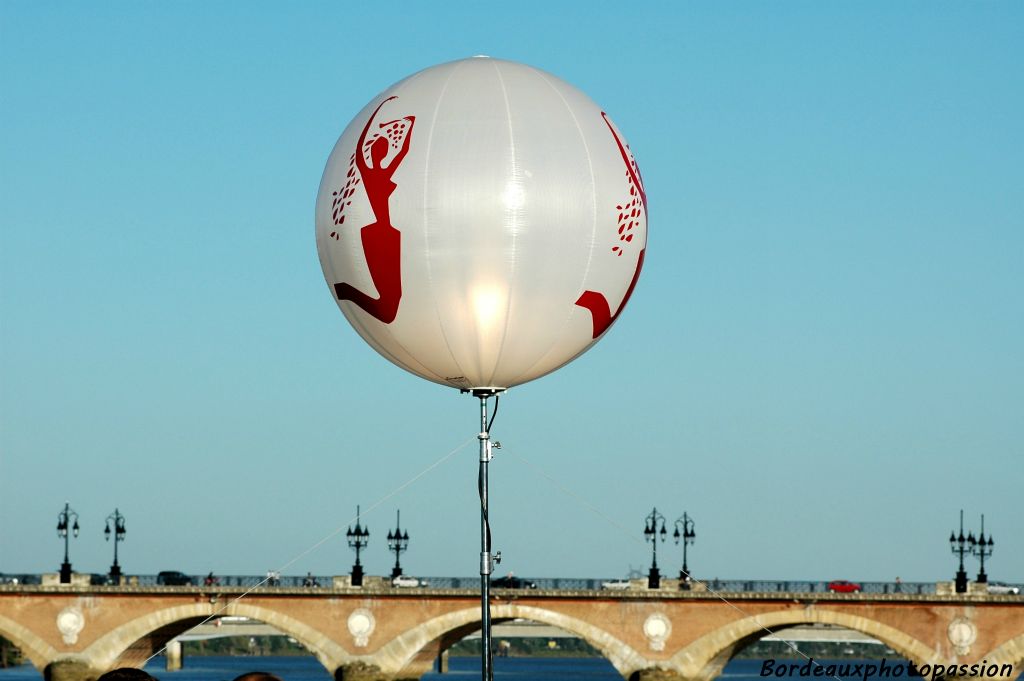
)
(687, 536)
(66, 519)
(651, 534)
(959, 544)
(118, 532)
(982, 549)
(398, 542)
(358, 538)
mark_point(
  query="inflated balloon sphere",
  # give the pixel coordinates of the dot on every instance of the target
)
(481, 223)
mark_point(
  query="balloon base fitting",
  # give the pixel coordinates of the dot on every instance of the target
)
(482, 392)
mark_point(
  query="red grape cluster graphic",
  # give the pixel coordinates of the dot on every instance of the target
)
(342, 196)
(395, 131)
(629, 214)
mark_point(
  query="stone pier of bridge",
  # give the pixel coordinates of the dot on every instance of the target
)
(173, 655)
(76, 632)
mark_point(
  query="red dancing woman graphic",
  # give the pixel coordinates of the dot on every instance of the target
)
(629, 216)
(382, 243)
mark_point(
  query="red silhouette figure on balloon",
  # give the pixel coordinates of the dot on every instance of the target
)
(382, 243)
(629, 217)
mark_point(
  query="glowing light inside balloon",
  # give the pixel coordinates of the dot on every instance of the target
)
(513, 197)
(489, 302)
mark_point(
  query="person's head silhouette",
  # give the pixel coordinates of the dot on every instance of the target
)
(257, 676)
(126, 674)
(378, 150)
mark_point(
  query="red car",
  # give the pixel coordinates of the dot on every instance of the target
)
(841, 586)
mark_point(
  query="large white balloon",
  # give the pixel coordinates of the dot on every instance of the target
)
(481, 223)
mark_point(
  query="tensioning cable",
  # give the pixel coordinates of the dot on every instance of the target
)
(590, 507)
(323, 540)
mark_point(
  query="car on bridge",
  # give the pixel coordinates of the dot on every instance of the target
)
(405, 581)
(841, 586)
(19, 579)
(512, 582)
(173, 578)
(1003, 588)
(616, 584)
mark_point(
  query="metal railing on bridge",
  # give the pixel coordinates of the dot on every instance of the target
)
(768, 586)
(571, 583)
(723, 585)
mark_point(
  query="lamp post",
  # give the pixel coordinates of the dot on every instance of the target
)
(358, 538)
(66, 519)
(398, 542)
(959, 544)
(651, 533)
(118, 532)
(687, 536)
(982, 549)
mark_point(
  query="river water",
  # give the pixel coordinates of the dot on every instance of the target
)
(300, 668)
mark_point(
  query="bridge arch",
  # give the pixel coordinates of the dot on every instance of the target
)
(163, 625)
(327, 651)
(1009, 652)
(704, 659)
(38, 651)
(437, 634)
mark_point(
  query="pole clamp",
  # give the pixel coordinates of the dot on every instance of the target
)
(486, 452)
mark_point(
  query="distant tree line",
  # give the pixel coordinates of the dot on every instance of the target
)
(513, 647)
(575, 647)
(243, 646)
(528, 647)
(11, 656)
(822, 650)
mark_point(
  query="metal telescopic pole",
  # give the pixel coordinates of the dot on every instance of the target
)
(485, 546)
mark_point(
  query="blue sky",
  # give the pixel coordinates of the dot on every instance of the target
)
(821, 362)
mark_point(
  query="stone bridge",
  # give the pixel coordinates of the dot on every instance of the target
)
(74, 633)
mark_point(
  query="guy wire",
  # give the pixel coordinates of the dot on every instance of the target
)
(325, 539)
(586, 504)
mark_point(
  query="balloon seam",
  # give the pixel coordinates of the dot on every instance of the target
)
(593, 232)
(426, 230)
(514, 215)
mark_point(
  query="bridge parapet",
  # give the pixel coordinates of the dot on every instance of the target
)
(385, 590)
(556, 583)
(396, 633)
